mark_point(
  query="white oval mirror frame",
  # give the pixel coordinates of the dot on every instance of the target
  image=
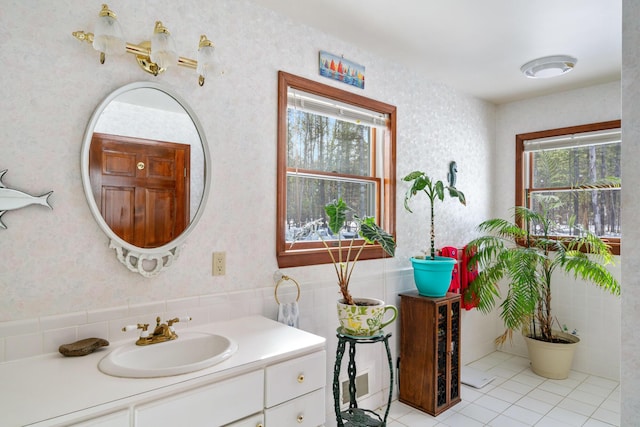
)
(146, 261)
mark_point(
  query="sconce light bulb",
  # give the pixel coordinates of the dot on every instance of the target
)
(205, 58)
(163, 48)
(108, 38)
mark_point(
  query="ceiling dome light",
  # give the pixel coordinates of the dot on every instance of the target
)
(549, 66)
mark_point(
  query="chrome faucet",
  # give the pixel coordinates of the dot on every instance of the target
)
(162, 332)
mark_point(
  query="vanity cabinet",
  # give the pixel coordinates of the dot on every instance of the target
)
(295, 392)
(213, 405)
(117, 419)
(283, 394)
(276, 378)
(429, 373)
(256, 420)
(296, 377)
(305, 411)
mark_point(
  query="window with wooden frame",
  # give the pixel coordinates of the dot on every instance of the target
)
(331, 144)
(580, 165)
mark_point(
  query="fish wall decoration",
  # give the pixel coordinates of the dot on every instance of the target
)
(13, 199)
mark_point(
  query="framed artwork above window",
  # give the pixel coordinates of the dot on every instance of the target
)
(579, 166)
(331, 144)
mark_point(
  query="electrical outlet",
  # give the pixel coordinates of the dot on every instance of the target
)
(219, 263)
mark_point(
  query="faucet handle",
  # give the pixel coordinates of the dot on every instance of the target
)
(134, 327)
(178, 319)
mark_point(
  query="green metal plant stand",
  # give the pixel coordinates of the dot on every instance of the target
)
(354, 416)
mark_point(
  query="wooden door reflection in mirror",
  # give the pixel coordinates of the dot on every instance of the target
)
(141, 187)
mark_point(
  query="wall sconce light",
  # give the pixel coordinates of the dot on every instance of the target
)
(153, 56)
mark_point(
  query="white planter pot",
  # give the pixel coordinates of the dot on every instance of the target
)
(552, 360)
(366, 318)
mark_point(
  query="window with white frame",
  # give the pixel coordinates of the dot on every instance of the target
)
(580, 168)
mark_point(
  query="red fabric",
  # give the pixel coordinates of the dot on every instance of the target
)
(451, 252)
(469, 274)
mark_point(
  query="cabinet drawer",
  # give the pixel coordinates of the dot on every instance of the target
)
(305, 411)
(256, 420)
(117, 419)
(212, 405)
(294, 378)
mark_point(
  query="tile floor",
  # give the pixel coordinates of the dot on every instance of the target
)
(518, 397)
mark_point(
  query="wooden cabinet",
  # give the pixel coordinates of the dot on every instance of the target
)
(429, 372)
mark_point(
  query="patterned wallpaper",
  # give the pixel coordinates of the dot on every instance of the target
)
(57, 263)
(59, 260)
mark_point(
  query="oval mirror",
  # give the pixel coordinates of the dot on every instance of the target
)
(145, 172)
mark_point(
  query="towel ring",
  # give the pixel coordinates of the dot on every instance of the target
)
(286, 279)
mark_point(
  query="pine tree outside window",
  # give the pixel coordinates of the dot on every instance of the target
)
(581, 166)
(331, 144)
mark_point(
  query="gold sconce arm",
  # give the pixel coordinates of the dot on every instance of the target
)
(82, 36)
(142, 53)
(108, 39)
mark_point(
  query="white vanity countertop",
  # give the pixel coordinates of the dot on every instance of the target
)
(52, 385)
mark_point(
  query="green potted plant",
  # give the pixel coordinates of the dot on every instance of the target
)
(357, 316)
(431, 273)
(526, 254)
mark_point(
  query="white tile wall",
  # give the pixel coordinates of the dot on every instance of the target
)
(32, 337)
(596, 315)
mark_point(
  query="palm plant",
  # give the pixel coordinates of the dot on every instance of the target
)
(528, 260)
(348, 253)
(434, 190)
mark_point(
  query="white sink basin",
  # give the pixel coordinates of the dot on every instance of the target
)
(191, 351)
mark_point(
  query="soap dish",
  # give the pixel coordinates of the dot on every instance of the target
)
(82, 347)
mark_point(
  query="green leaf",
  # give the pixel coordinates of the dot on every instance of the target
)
(439, 190)
(373, 233)
(337, 213)
(413, 175)
(420, 182)
(455, 193)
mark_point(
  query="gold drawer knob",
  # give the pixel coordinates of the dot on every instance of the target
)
(140, 165)
(300, 419)
(301, 378)
(259, 425)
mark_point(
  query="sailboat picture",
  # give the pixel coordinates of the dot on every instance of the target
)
(337, 68)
